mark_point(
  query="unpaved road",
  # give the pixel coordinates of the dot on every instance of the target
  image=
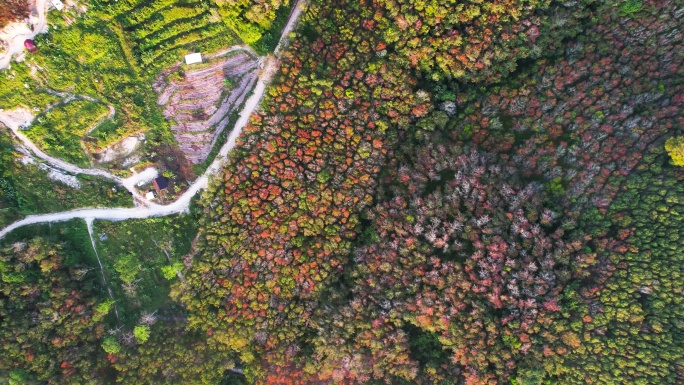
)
(17, 118)
(16, 33)
(89, 225)
(182, 204)
(297, 9)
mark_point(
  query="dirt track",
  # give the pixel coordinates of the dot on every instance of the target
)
(201, 104)
(183, 202)
(17, 118)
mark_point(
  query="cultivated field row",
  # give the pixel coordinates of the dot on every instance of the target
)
(203, 102)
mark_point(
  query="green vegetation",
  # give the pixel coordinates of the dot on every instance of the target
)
(629, 7)
(88, 59)
(88, 65)
(257, 23)
(446, 193)
(142, 258)
(78, 63)
(475, 40)
(102, 309)
(637, 337)
(113, 56)
(141, 333)
(49, 329)
(61, 129)
(26, 188)
(37, 290)
(111, 346)
(675, 148)
(127, 266)
(170, 271)
(56, 277)
(19, 88)
(160, 32)
(270, 36)
(444, 239)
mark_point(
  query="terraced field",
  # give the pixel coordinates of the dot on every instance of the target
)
(162, 31)
(203, 101)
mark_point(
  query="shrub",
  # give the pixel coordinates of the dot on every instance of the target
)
(127, 266)
(103, 309)
(170, 271)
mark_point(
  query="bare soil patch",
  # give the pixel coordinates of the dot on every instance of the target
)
(202, 100)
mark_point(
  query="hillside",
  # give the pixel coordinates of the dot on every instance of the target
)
(406, 192)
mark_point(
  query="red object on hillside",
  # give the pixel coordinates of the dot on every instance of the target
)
(30, 45)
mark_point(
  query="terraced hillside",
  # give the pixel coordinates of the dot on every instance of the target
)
(203, 100)
(161, 31)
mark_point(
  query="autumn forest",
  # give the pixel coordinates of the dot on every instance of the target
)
(430, 192)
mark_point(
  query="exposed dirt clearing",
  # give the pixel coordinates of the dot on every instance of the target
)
(14, 34)
(16, 118)
(202, 103)
(63, 178)
(119, 150)
(143, 177)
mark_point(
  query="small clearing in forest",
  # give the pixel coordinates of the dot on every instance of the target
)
(202, 100)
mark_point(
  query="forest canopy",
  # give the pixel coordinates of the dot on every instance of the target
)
(430, 192)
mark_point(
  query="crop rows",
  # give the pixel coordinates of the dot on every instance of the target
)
(199, 104)
(168, 52)
(162, 31)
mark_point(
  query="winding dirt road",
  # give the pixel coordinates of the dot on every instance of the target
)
(182, 204)
(19, 117)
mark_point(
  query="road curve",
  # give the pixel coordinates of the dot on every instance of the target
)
(182, 204)
(16, 118)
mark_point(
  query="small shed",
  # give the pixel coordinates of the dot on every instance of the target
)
(150, 195)
(160, 183)
(30, 46)
(58, 4)
(193, 58)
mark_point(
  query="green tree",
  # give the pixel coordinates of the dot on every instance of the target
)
(127, 266)
(170, 271)
(102, 309)
(111, 346)
(675, 148)
(141, 333)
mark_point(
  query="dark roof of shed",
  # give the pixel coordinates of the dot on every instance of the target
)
(161, 182)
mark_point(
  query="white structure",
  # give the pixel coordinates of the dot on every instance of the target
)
(192, 58)
(149, 196)
(58, 4)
